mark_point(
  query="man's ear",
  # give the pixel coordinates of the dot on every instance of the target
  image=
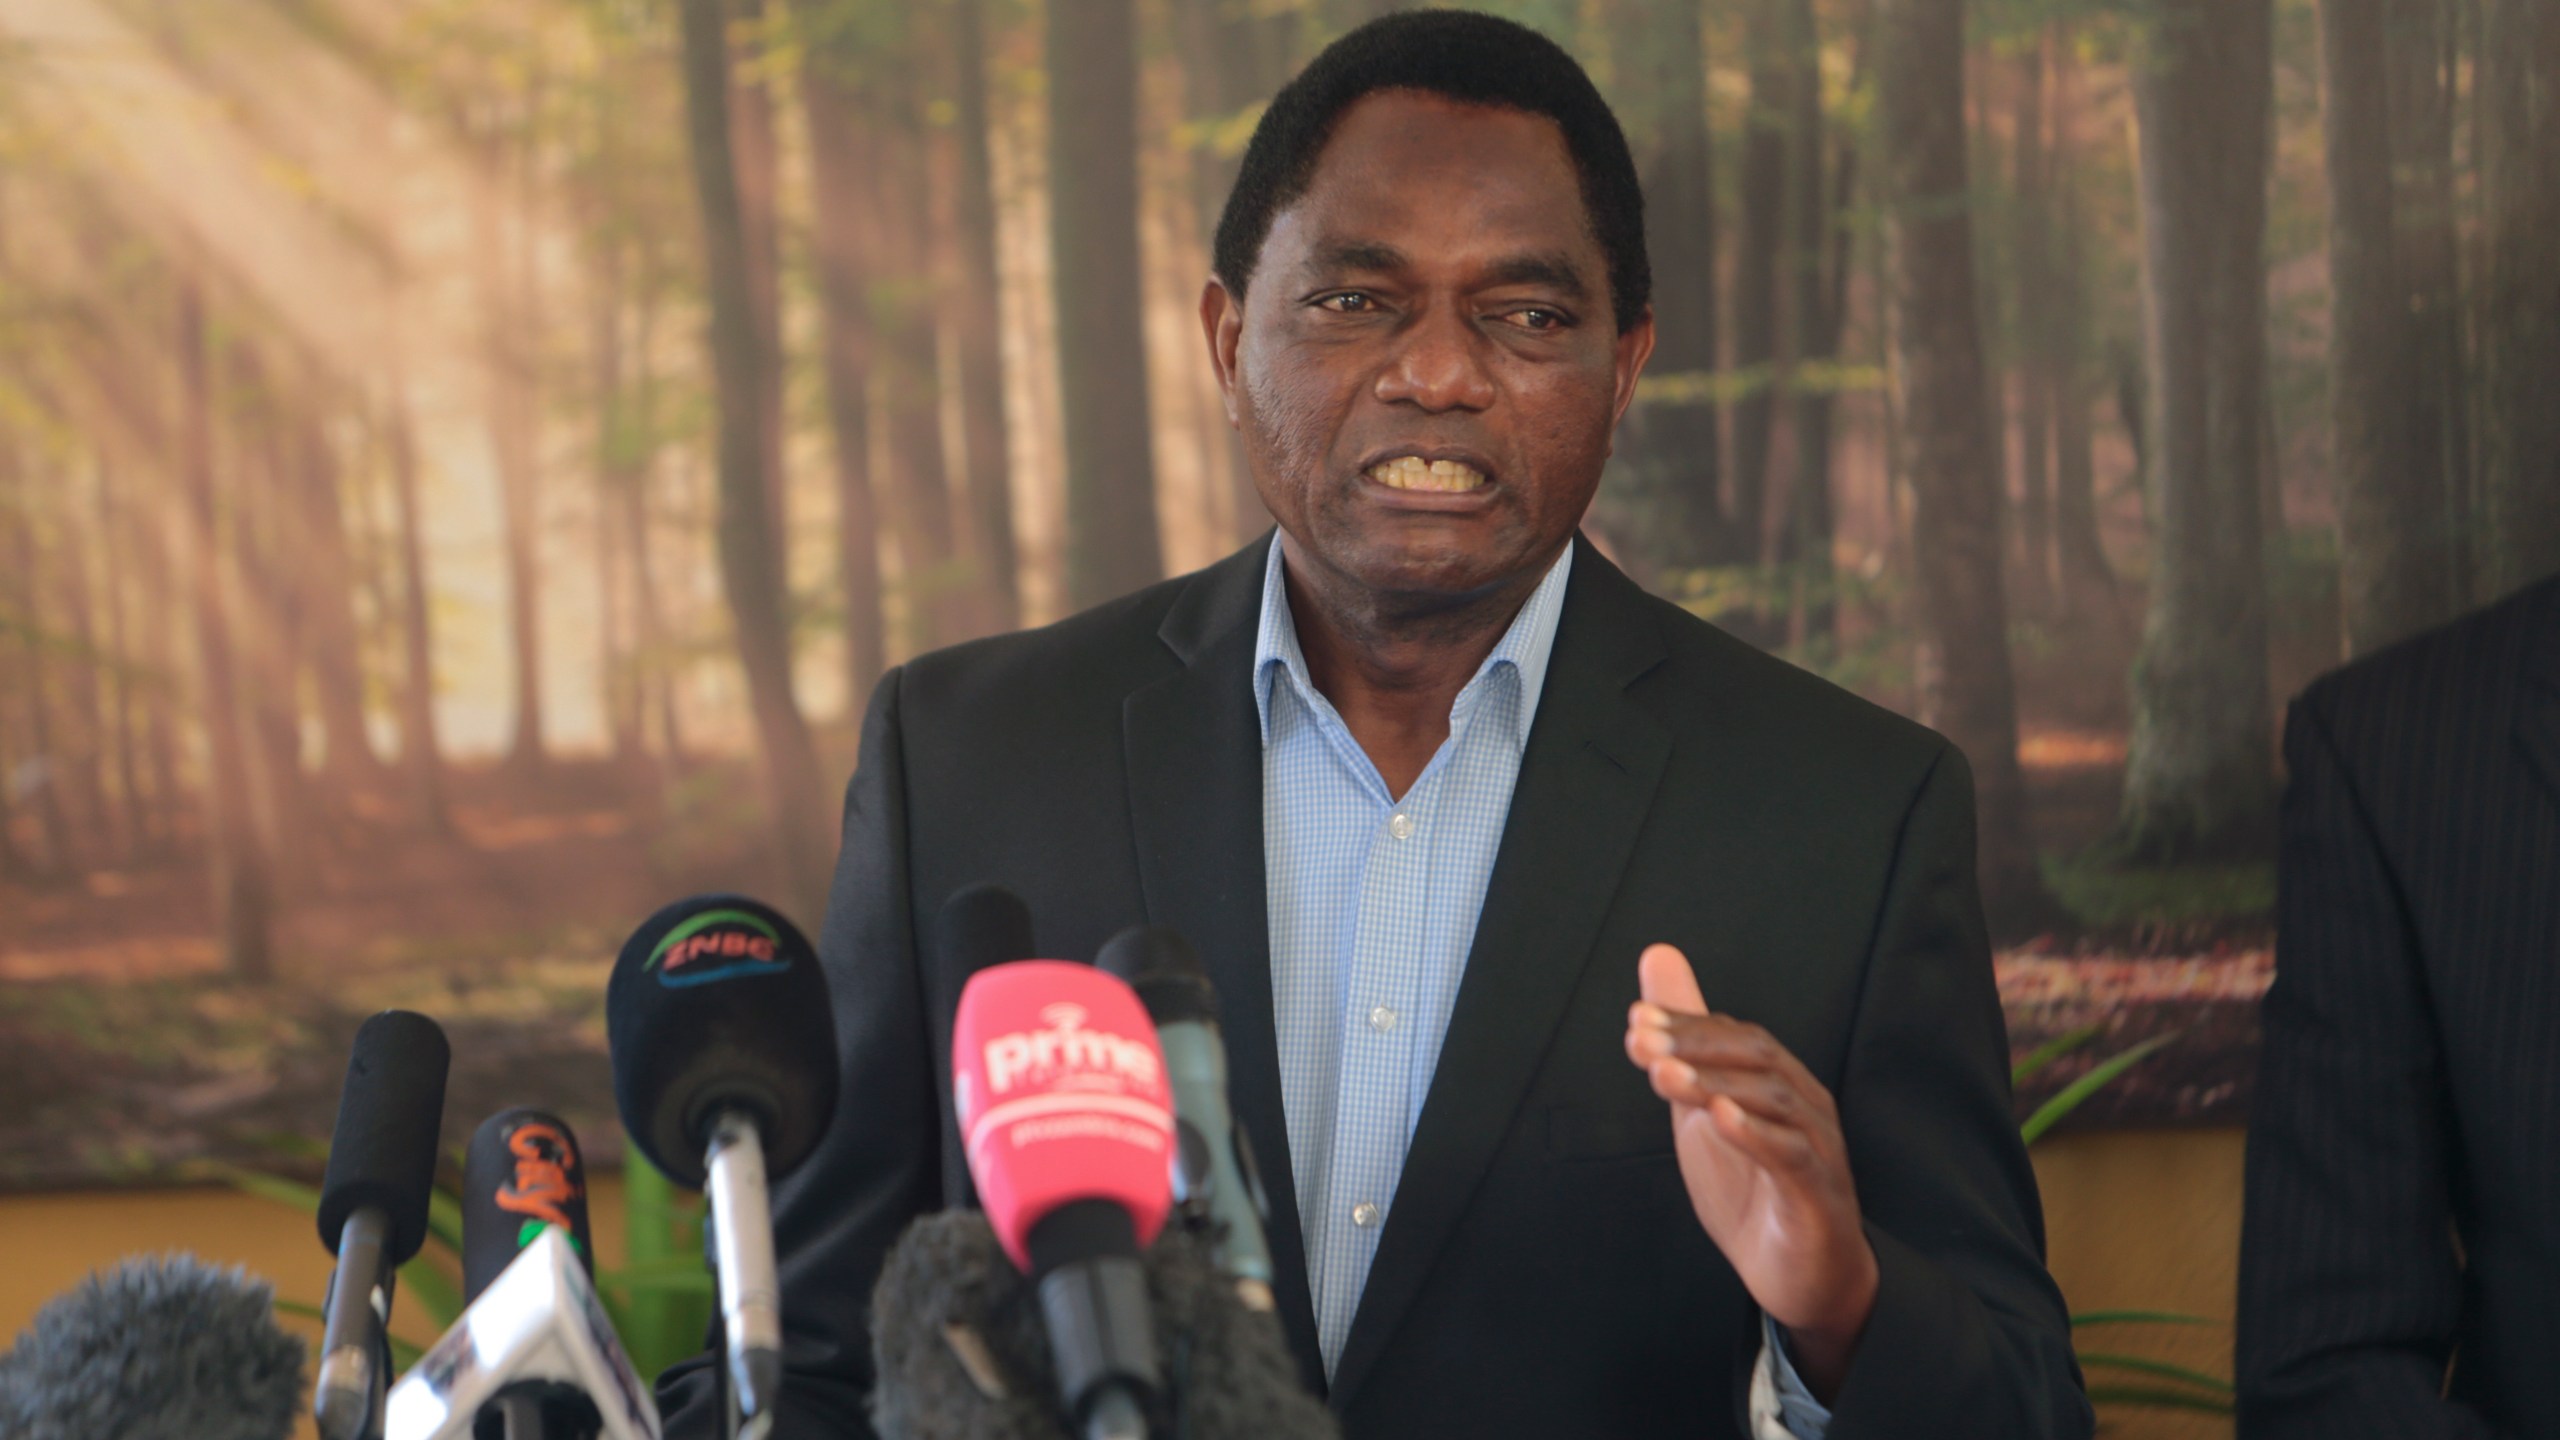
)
(1222, 324)
(1634, 348)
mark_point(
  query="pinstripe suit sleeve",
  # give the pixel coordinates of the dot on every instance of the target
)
(2350, 1284)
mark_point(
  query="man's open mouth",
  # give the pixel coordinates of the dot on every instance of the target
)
(1412, 472)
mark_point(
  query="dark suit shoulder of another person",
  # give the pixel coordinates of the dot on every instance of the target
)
(2400, 1251)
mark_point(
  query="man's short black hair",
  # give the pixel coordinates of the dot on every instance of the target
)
(1480, 59)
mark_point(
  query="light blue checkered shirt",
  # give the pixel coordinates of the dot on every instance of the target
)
(1373, 904)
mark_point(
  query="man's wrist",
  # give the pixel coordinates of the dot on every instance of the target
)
(1821, 1351)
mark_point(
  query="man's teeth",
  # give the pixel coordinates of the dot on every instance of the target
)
(1412, 472)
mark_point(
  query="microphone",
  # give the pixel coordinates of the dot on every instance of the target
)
(961, 1352)
(1217, 1191)
(166, 1345)
(724, 1070)
(521, 1175)
(981, 926)
(533, 1358)
(373, 1207)
(1059, 1090)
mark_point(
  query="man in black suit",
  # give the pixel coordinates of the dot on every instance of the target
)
(1428, 314)
(2400, 1256)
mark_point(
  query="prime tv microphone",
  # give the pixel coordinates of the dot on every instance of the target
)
(521, 1175)
(1217, 1191)
(1059, 1090)
(154, 1349)
(373, 1206)
(724, 1069)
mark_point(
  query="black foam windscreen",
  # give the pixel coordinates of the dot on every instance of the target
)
(1165, 971)
(155, 1347)
(383, 1152)
(961, 1351)
(522, 1171)
(981, 926)
(716, 1003)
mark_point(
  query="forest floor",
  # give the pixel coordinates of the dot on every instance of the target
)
(127, 1055)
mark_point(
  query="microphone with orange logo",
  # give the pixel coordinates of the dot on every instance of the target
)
(521, 1172)
(522, 1175)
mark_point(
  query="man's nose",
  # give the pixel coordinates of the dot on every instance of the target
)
(1439, 365)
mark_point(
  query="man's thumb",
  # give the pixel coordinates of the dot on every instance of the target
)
(1664, 975)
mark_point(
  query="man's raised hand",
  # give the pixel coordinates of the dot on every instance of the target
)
(1767, 1170)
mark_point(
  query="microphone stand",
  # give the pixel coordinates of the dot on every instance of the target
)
(355, 1349)
(742, 1260)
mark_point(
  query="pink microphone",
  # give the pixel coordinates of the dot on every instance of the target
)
(1063, 1104)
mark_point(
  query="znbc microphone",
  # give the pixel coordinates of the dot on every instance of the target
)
(1059, 1090)
(373, 1206)
(724, 1069)
(1216, 1190)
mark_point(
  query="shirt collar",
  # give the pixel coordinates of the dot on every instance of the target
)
(1524, 647)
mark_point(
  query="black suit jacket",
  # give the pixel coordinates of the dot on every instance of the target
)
(2404, 1156)
(1541, 1271)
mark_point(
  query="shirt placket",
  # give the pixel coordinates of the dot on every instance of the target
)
(1376, 1048)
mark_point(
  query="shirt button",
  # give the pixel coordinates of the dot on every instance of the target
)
(1382, 1019)
(1364, 1214)
(1401, 826)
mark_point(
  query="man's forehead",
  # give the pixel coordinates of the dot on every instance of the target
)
(1388, 190)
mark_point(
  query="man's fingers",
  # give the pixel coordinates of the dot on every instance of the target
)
(1786, 1151)
(1664, 976)
(1758, 1092)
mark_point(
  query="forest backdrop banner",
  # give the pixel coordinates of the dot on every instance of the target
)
(464, 463)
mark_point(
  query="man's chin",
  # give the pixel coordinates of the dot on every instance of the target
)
(1424, 578)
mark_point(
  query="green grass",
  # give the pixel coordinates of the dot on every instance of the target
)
(2100, 892)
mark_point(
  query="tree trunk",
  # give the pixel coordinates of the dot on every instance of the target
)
(161, 556)
(793, 786)
(509, 323)
(1815, 266)
(328, 575)
(34, 681)
(243, 882)
(1756, 282)
(267, 616)
(2424, 62)
(905, 361)
(421, 755)
(841, 250)
(2520, 293)
(759, 174)
(2392, 579)
(1946, 433)
(617, 448)
(971, 303)
(1666, 485)
(86, 752)
(1093, 235)
(117, 556)
(2088, 583)
(2198, 780)
(2036, 367)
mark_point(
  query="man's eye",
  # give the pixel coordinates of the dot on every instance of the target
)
(1350, 302)
(1538, 317)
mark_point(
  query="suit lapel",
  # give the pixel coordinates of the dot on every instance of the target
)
(1586, 782)
(1193, 749)
(2538, 706)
